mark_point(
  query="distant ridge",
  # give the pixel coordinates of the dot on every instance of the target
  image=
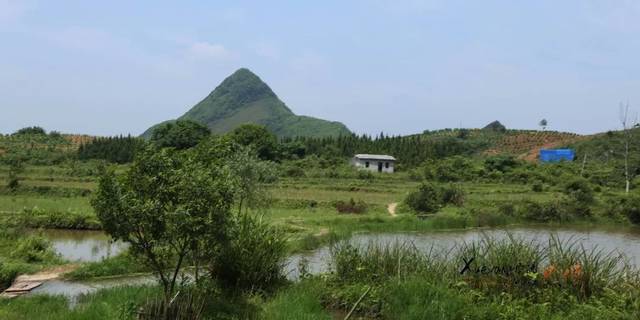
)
(244, 98)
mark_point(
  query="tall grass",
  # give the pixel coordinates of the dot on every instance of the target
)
(492, 265)
(377, 262)
(584, 271)
(300, 302)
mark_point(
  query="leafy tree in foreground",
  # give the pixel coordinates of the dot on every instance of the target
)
(168, 208)
(182, 134)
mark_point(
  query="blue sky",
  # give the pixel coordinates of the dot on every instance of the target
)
(117, 67)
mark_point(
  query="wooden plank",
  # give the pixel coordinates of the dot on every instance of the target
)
(23, 286)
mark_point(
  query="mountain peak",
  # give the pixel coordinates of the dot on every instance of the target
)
(242, 86)
(243, 98)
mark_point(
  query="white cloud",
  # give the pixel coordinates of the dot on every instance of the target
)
(208, 51)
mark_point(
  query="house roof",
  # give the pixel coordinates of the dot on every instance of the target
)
(375, 157)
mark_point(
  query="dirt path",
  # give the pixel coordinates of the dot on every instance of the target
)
(392, 209)
(27, 282)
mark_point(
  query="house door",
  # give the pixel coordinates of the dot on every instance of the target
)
(379, 166)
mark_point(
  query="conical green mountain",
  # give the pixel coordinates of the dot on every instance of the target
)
(244, 98)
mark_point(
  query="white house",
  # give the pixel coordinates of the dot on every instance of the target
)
(374, 162)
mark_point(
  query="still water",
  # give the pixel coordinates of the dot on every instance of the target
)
(82, 245)
(94, 246)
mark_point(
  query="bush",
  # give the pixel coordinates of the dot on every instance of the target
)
(500, 163)
(351, 206)
(542, 212)
(453, 194)
(580, 190)
(294, 172)
(13, 184)
(254, 258)
(34, 249)
(507, 209)
(577, 208)
(630, 208)
(39, 218)
(537, 187)
(365, 175)
(427, 199)
(8, 272)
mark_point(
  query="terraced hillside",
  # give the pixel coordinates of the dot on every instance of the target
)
(527, 144)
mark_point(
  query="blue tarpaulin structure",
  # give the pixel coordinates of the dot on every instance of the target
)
(557, 155)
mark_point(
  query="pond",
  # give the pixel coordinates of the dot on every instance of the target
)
(82, 245)
(619, 240)
(93, 246)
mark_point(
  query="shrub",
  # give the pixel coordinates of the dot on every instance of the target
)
(537, 186)
(253, 259)
(630, 208)
(453, 194)
(427, 199)
(507, 209)
(351, 206)
(365, 175)
(294, 171)
(8, 272)
(580, 190)
(577, 208)
(13, 183)
(488, 217)
(500, 163)
(34, 249)
(542, 212)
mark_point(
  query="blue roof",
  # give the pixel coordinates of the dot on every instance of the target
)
(557, 155)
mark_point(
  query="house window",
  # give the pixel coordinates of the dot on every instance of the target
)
(366, 164)
(386, 165)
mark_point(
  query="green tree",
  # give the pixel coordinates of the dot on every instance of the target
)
(250, 176)
(181, 134)
(543, 124)
(16, 166)
(579, 190)
(31, 131)
(257, 137)
(168, 207)
(427, 199)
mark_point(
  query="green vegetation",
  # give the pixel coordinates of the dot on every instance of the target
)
(505, 279)
(228, 209)
(113, 149)
(244, 98)
(181, 134)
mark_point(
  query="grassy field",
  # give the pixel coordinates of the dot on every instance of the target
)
(305, 207)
